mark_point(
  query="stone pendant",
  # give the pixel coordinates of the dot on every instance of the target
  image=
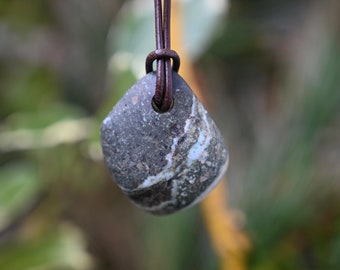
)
(163, 162)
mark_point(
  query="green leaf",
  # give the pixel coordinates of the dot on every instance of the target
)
(19, 183)
(62, 249)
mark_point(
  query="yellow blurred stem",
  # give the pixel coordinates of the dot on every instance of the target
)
(229, 242)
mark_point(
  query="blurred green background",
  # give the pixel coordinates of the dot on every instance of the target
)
(271, 70)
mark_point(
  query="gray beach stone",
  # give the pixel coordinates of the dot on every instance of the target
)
(163, 162)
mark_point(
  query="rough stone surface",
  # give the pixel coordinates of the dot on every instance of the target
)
(163, 162)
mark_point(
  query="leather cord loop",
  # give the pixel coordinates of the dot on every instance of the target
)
(162, 54)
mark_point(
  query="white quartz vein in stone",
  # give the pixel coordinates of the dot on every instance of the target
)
(192, 114)
(197, 151)
(166, 173)
(174, 190)
(107, 122)
(158, 207)
(163, 205)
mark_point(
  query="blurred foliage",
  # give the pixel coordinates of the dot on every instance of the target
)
(271, 74)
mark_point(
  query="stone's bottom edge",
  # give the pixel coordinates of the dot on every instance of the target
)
(162, 212)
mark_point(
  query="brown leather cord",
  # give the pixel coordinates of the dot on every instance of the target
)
(163, 98)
